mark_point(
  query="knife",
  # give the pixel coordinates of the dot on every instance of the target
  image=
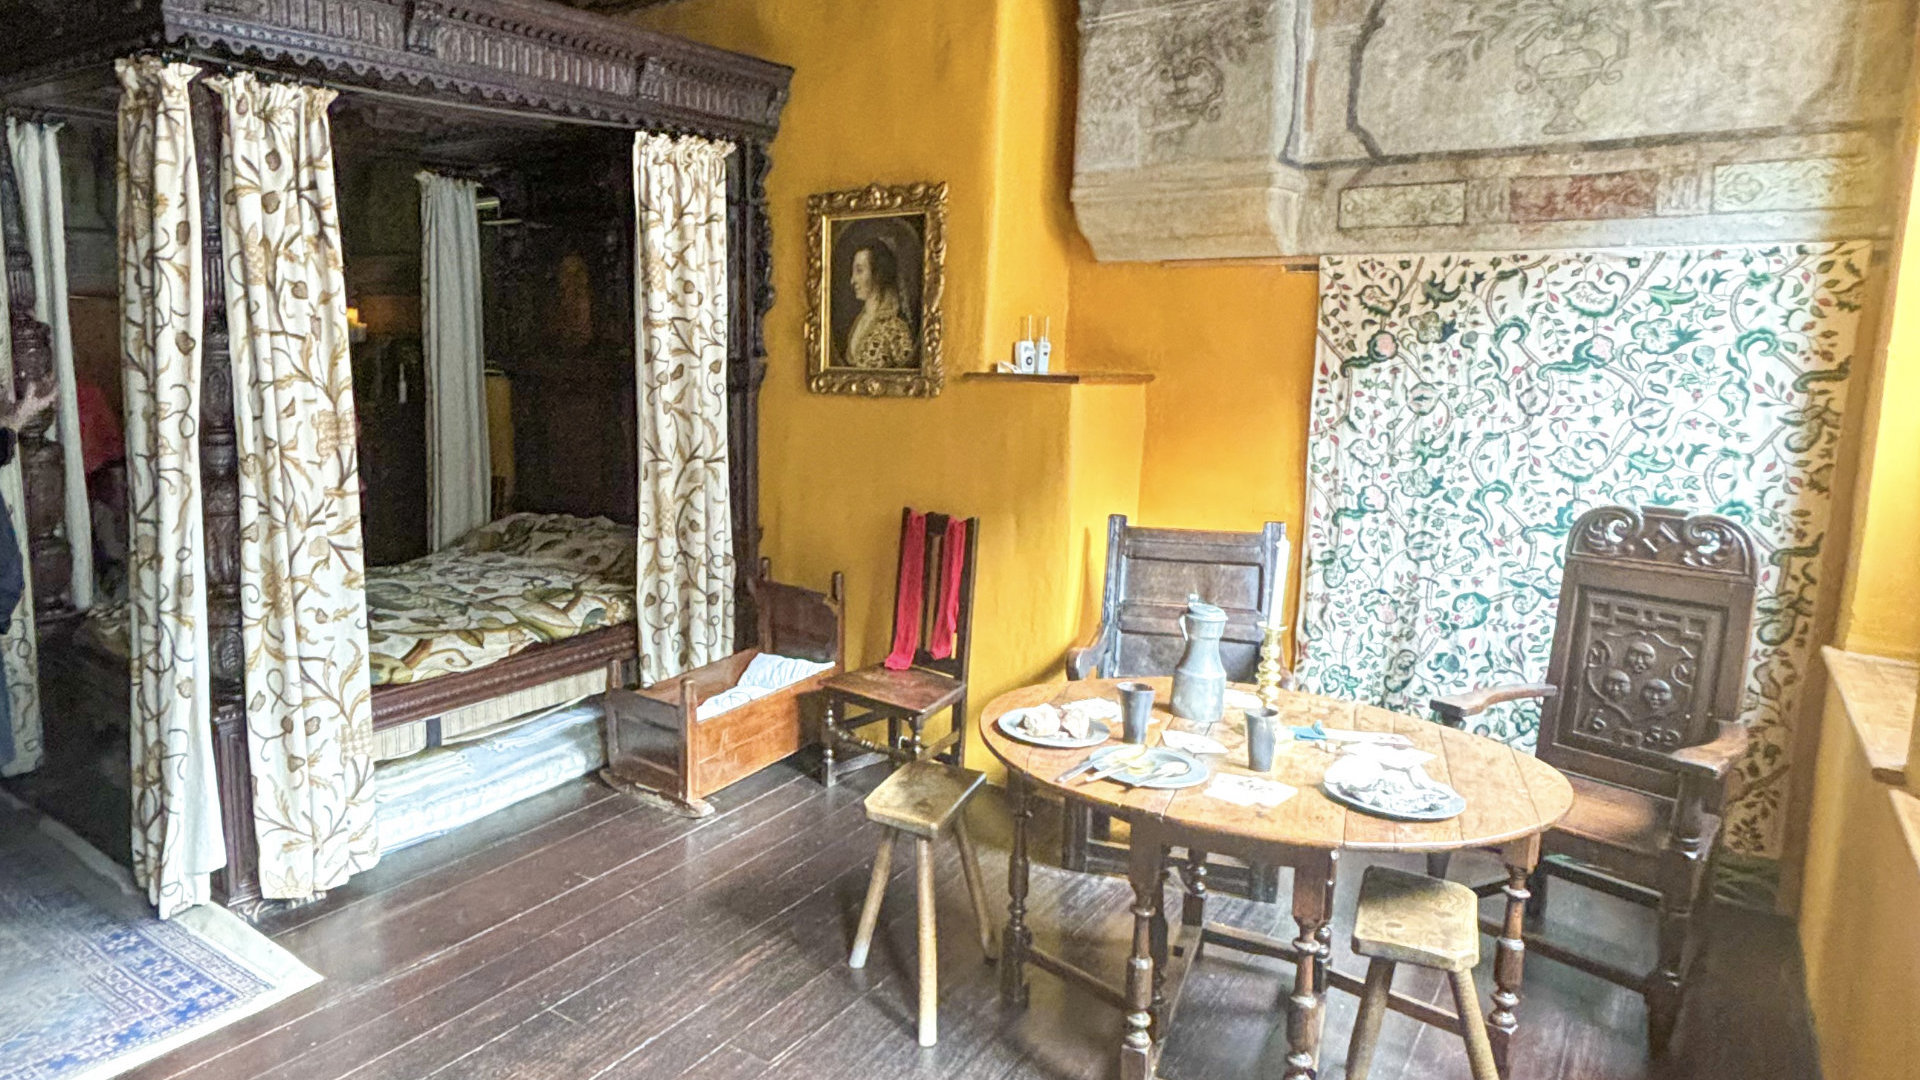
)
(1118, 764)
(1117, 758)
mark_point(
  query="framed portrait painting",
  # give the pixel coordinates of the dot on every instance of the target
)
(875, 260)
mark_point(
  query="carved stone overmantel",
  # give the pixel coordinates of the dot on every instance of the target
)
(1230, 128)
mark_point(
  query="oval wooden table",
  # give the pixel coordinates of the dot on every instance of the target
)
(1512, 798)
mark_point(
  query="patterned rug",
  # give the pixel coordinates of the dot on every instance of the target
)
(91, 984)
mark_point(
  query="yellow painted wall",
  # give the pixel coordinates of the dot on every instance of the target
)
(980, 95)
(1858, 930)
(1230, 346)
(925, 90)
(1880, 606)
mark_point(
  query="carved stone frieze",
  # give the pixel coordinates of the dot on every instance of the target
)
(1211, 128)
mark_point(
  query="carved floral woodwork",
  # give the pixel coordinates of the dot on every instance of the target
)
(1221, 128)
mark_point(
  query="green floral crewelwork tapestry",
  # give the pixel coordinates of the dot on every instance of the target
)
(1467, 408)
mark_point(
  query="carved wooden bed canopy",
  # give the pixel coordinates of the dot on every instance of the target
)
(483, 73)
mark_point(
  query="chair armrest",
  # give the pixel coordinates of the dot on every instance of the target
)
(1454, 709)
(1084, 661)
(1713, 760)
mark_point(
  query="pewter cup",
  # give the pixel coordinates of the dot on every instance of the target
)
(1263, 726)
(1136, 708)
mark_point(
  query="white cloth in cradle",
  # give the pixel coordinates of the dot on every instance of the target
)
(765, 674)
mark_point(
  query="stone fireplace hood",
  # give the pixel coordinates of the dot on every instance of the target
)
(1249, 128)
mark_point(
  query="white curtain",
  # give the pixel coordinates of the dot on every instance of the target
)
(459, 471)
(684, 586)
(36, 165)
(177, 840)
(302, 570)
(19, 647)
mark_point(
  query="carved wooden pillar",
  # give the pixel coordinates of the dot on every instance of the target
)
(42, 470)
(749, 244)
(239, 883)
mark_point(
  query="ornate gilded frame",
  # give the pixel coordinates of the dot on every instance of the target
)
(928, 378)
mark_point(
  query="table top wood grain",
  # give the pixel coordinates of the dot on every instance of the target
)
(1510, 794)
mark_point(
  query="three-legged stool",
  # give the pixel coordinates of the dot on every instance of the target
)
(1408, 918)
(920, 800)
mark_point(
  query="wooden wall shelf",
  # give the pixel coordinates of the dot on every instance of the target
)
(1061, 378)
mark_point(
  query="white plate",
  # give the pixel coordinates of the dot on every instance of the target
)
(1197, 771)
(1357, 782)
(1097, 733)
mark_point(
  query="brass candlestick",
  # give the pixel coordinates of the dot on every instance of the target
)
(1271, 675)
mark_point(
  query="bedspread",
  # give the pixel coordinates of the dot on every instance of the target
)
(523, 580)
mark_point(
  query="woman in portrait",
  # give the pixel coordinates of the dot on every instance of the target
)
(880, 336)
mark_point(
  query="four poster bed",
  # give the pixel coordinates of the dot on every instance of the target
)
(524, 96)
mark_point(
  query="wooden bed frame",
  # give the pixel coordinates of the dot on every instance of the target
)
(658, 746)
(498, 67)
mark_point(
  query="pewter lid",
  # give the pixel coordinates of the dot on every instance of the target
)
(1204, 611)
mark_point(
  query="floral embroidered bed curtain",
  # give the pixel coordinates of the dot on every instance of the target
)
(684, 588)
(459, 467)
(1467, 408)
(20, 747)
(177, 840)
(36, 166)
(303, 599)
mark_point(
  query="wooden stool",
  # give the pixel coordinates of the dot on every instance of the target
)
(919, 800)
(1408, 918)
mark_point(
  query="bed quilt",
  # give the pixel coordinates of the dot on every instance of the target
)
(523, 580)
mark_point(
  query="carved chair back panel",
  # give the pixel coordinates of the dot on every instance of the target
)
(1650, 647)
(1150, 574)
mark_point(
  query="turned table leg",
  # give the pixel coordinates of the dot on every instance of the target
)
(1017, 939)
(1510, 950)
(1193, 908)
(1312, 885)
(1145, 869)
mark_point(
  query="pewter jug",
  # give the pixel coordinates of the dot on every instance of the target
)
(1200, 682)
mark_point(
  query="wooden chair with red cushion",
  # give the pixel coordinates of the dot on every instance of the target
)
(1649, 661)
(926, 672)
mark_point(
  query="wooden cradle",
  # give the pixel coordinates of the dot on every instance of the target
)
(657, 746)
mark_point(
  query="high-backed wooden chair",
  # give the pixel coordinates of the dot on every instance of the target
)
(1649, 661)
(934, 679)
(1150, 574)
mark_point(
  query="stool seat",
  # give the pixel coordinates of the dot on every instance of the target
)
(1416, 919)
(922, 797)
(1408, 918)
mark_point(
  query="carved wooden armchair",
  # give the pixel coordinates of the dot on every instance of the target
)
(1649, 658)
(1150, 574)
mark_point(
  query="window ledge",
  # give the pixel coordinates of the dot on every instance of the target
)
(1879, 696)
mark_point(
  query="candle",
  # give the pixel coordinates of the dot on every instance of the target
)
(1283, 566)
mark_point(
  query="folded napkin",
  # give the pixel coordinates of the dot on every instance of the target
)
(1191, 743)
(1240, 699)
(1249, 790)
(1318, 732)
(1390, 757)
(1092, 709)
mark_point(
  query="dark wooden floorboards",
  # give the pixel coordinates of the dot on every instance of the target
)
(580, 936)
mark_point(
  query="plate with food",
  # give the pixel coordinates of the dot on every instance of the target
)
(1148, 767)
(1393, 788)
(1055, 728)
